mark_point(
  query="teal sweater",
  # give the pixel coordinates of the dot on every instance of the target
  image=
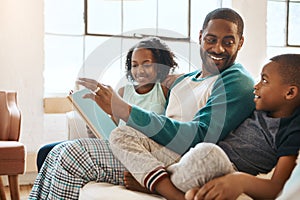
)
(229, 104)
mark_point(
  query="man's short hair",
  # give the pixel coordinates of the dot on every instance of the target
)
(226, 14)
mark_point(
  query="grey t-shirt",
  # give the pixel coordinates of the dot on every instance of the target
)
(255, 146)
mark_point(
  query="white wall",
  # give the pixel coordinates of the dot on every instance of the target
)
(22, 61)
(253, 54)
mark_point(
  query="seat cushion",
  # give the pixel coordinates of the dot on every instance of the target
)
(104, 191)
(12, 158)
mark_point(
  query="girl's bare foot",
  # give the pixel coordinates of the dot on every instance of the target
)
(132, 184)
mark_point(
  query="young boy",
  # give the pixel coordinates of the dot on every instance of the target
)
(271, 136)
(273, 141)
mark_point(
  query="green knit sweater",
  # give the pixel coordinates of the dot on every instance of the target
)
(230, 103)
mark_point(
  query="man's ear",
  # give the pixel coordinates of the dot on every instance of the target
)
(293, 92)
(241, 42)
(200, 36)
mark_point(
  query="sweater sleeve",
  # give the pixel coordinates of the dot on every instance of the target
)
(230, 103)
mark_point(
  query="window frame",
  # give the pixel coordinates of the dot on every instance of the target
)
(287, 23)
(137, 36)
(187, 38)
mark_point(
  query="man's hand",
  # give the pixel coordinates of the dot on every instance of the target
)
(106, 98)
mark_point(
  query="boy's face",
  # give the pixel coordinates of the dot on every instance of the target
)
(219, 45)
(143, 67)
(270, 91)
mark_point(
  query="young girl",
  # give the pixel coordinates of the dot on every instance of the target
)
(147, 64)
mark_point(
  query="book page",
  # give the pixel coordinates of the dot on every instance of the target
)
(99, 121)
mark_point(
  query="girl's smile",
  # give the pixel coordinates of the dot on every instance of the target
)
(144, 68)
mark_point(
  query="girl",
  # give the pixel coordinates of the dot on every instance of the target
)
(147, 64)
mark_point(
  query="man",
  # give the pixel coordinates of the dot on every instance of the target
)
(203, 106)
(150, 163)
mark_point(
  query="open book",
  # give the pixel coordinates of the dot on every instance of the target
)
(98, 121)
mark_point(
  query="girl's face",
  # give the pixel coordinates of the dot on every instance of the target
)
(143, 66)
(270, 91)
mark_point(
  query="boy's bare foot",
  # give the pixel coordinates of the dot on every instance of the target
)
(132, 184)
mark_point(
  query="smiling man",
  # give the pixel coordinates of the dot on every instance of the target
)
(220, 42)
(203, 106)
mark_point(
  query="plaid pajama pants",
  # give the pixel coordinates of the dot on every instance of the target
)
(72, 164)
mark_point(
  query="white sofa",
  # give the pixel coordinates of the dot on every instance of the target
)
(105, 191)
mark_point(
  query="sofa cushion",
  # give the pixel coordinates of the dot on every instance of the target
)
(104, 191)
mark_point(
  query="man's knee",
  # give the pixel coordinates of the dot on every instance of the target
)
(118, 138)
(116, 134)
(121, 133)
(210, 152)
(203, 157)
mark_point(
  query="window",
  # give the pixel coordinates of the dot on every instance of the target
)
(64, 44)
(140, 15)
(293, 29)
(91, 37)
(283, 28)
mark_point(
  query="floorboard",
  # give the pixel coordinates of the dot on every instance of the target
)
(24, 192)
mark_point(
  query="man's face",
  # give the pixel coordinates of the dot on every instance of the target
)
(219, 45)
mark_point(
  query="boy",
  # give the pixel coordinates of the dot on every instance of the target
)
(270, 137)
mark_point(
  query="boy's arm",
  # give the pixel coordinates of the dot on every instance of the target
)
(261, 188)
(233, 185)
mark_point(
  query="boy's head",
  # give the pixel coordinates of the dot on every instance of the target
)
(162, 55)
(289, 68)
(278, 91)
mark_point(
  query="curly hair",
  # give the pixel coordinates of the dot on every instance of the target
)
(162, 54)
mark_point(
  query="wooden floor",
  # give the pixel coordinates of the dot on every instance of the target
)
(24, 192)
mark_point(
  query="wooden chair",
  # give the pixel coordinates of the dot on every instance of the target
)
(12, 152)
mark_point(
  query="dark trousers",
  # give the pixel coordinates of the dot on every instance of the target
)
(43, 152)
